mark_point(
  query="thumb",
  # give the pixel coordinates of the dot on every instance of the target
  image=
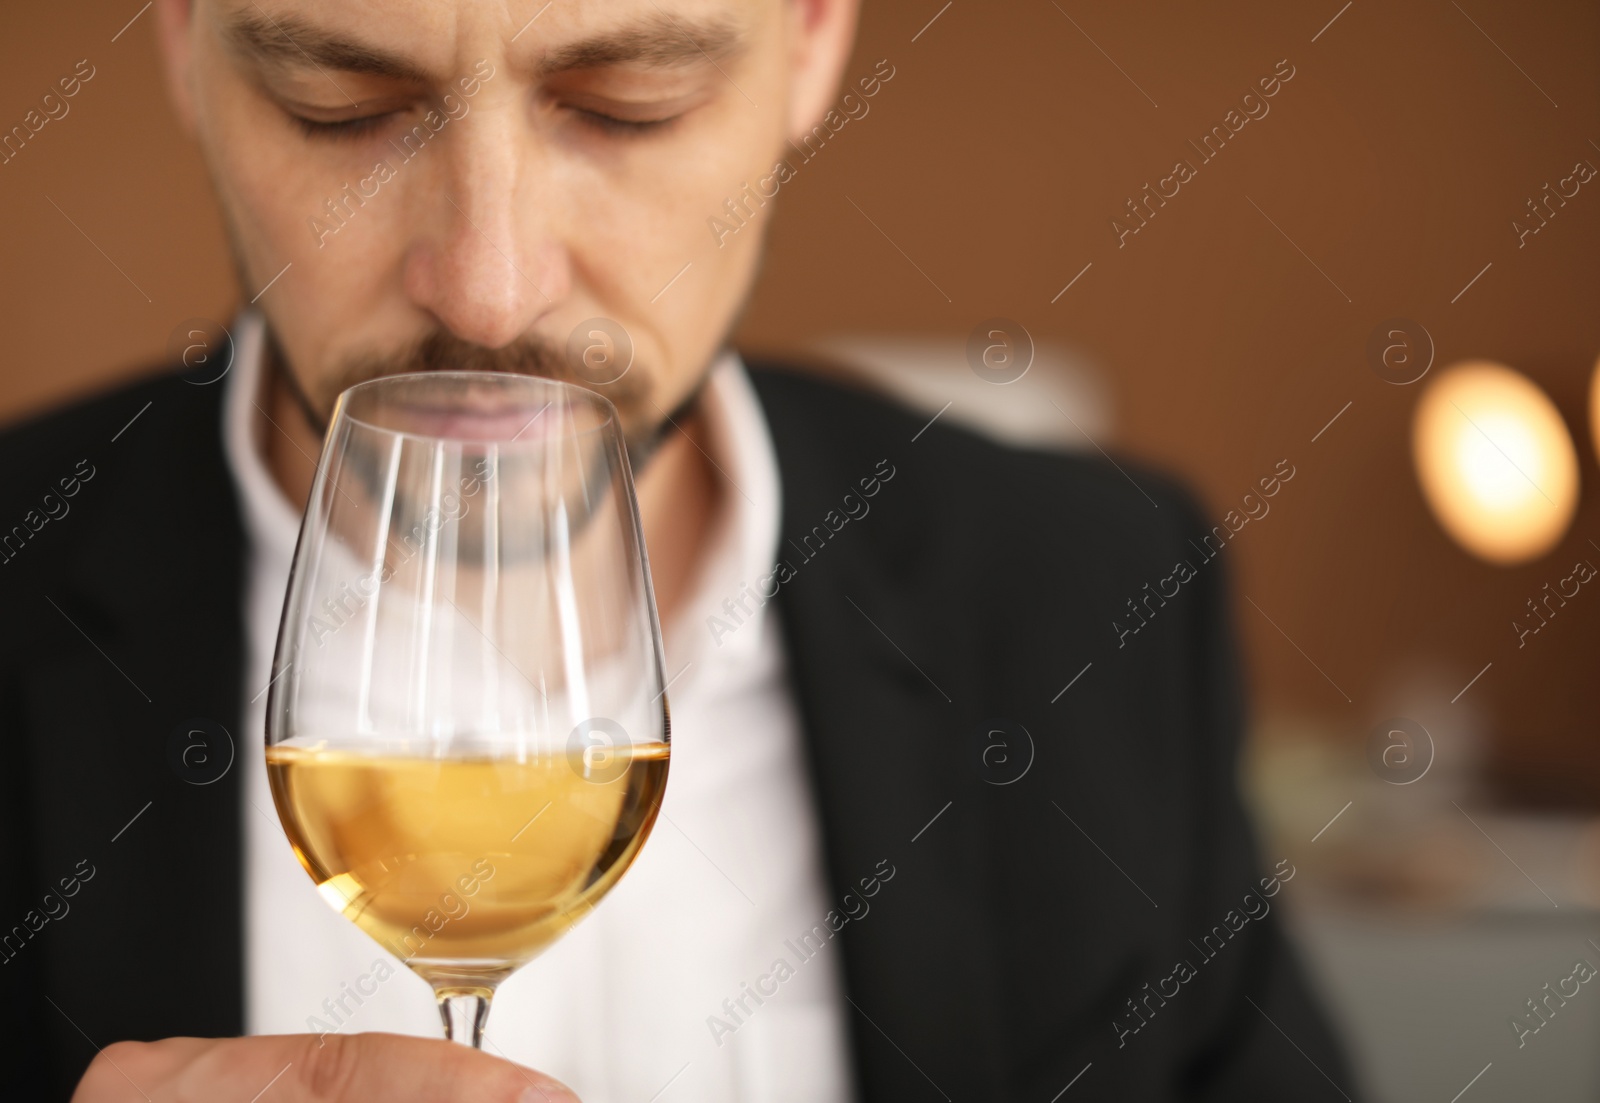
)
(356, 1068)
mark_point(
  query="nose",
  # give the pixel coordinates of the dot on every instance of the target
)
(486, 260)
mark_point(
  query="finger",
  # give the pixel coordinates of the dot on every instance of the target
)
(137, 1070)
(355, 1068)
(390, 1065)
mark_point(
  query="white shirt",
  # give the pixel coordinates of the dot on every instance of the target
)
(626, 1008)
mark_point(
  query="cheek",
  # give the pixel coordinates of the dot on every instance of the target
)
(258, 178)
(638, 227)
(270, 183)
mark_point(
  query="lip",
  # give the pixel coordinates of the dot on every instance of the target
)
(476, 407)
(520, 423)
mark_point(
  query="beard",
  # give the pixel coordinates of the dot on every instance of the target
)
(644, 423)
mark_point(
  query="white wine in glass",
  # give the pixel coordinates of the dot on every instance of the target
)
(467, 733)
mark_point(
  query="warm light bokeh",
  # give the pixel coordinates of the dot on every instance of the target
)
(1496, 462)
(1594, 409)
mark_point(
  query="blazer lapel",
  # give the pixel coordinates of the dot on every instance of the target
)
(887, 744)
(132, 703)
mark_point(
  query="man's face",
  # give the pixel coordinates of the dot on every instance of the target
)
(450, 183)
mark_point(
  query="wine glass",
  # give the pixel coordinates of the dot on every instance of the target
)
(467, 733)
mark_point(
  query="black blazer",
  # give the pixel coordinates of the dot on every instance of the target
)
(1076, 900)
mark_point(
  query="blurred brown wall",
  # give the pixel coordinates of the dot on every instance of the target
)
(1410, 136)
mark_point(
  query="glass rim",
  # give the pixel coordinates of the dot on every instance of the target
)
(603, 405)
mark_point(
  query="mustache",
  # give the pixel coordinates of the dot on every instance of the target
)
(441, 350)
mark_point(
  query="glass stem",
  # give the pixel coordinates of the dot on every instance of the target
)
(464, 1014)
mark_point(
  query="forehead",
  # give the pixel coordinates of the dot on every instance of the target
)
(427, 40)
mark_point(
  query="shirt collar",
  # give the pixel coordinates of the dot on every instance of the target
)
(724, 619)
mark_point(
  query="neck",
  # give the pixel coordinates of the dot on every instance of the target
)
(679, 495)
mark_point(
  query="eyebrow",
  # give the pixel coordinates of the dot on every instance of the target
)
(290, 40)
(658, 41)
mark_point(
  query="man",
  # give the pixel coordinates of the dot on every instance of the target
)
(981, 885)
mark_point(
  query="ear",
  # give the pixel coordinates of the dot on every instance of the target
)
(174, 23)
(821, 35)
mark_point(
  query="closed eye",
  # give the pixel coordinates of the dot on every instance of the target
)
(610, 124)
(343, 129)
